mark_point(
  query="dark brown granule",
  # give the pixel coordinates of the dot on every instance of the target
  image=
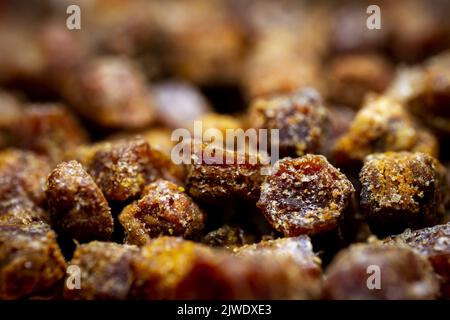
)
(212, 178)
(403, 274)
(434, 244)
(299, 249)
(110, 92)
(383, 124)
(352, 76)
(164, 209)
(23, 174)
(402, 190)
(171, 268)
(306, 195)
(106, 271)
(47, 129)
(77, 205)
(30, 260)
(227, 236)
(300, 118)
(123, 168)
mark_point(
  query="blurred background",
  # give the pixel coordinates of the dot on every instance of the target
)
(139, 64)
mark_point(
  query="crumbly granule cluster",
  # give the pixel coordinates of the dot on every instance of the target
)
(164, 209)
(401, 190)
(382, 124)
(300, 118)
(124, 175)
(77, 204)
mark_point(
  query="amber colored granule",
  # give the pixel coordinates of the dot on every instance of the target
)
(122, 168)
(227, 236)
(306, 195)
(212, 178)
(48, 129)
(299, 249)
(353, 76)
(300, 118)
(23, 174)
(402, 273)
(162, 264)
(434, 244)
(77, 204)
(111, 92)
(401, 190)
(30, 260)
(164, 209)
(173, 268)
(106, 271)
(382, 125)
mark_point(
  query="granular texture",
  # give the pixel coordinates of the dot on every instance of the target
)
(30, 260)
(212, 178)
(382, 125)
(77, 205)
(122, 168)
(164, 209)
(23, 174)
(402, 190)
(300, 118)
(306, 195)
